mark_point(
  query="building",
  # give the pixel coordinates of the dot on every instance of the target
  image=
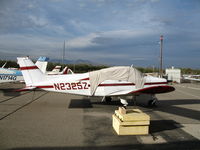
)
(173, 74)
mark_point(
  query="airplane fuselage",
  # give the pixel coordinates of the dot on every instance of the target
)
(10, 75)
(80, 84)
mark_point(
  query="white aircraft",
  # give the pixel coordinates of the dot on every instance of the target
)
(192, 77)
(56, 71)
(114, 81)
(14, 74)
(10, 75)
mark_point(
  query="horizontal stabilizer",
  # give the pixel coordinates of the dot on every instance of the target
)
(25, 89)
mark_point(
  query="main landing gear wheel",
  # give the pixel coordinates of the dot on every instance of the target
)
(153, 101)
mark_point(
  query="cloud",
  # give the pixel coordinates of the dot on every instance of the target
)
(152, 1)
(38, 21)
(102, 30)
(108, 38)
(28, 45)
(82, 42)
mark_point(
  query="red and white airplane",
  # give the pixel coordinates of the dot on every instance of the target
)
(113, 81)
(56, 71)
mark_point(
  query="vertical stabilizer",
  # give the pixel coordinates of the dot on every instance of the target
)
(42, 63)
(65, 70)
(56, 69)
(31, 73)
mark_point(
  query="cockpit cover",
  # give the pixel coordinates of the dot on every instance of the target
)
(123, 73)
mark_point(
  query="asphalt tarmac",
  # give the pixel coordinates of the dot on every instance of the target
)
(47, 120)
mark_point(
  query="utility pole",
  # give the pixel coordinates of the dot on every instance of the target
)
(63, 57)
(161, 57)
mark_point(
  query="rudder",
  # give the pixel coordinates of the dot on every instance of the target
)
(31, 73)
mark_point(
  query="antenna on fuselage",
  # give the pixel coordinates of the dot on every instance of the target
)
(161, 57)
(4, 65)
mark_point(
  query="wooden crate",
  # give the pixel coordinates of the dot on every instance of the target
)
(135, 122)
(132, 115)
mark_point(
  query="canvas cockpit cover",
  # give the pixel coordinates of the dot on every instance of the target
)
(123, 73)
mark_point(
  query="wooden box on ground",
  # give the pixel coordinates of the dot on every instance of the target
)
(133, 122)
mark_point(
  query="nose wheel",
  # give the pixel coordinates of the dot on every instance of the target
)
(153, 101)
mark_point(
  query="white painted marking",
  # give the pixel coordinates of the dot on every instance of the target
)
(150, 140)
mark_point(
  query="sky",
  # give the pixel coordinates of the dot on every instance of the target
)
(112, 32)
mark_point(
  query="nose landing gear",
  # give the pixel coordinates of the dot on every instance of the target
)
(153, 101)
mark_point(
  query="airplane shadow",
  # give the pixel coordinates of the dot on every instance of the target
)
(89, 103)
(162, 125)
(167, 106)
(174, 107)
(10, 92)
(80, 103)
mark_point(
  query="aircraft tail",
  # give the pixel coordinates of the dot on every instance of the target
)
(67, 70)
(56, 69)
(42, 63)
(31, 73)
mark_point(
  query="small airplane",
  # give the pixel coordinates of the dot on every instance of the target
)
(192, 77)
(56, 71)
(106, 83)
(14, 74)
(10, 75)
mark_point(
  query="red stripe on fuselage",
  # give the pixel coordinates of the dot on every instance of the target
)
(117, 84)
(130, 84)
(112, 84)
(152, 83)
(84, 79)
(44, 86)
(28, 68)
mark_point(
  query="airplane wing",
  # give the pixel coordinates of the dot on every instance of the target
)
(154, 90)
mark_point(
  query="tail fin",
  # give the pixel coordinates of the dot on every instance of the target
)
(31, 73)
(42, 63)
(67, 70)
(56, 69)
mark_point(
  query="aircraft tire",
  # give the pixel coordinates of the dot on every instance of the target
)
(108, 99)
